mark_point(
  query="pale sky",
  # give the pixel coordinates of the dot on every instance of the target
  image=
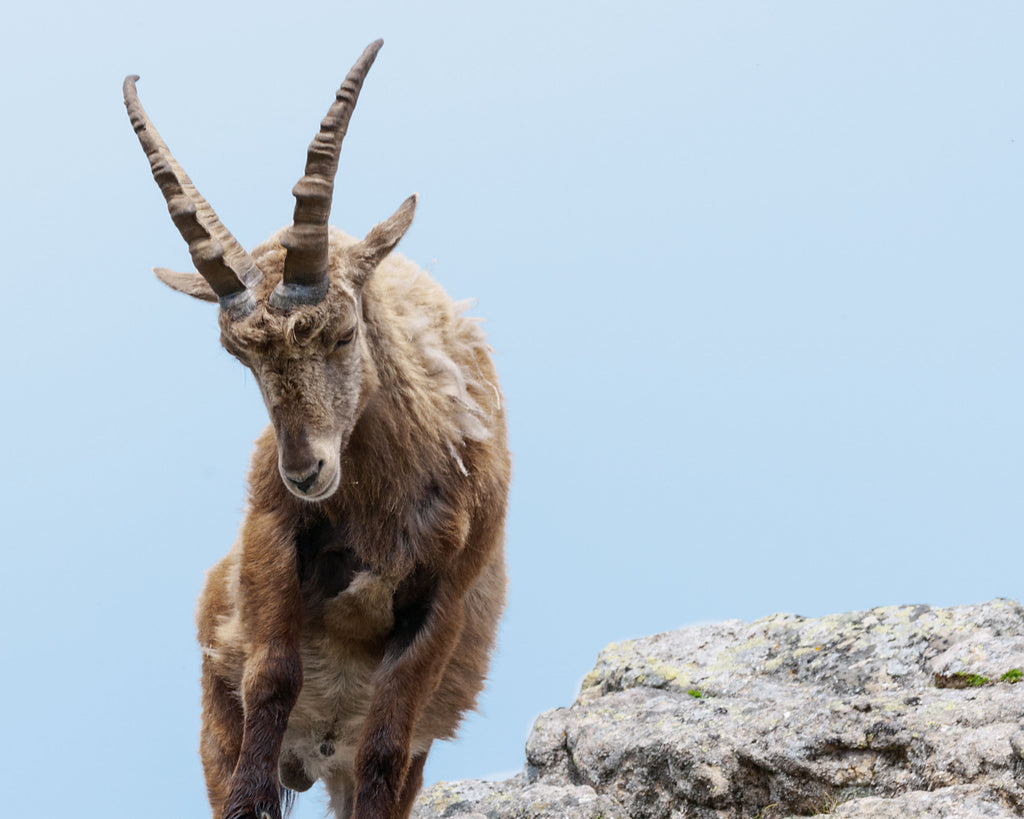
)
(752, 273)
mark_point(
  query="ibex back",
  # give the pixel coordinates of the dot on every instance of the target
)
(352, 622)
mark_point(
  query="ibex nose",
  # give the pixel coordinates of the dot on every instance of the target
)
(304, 480)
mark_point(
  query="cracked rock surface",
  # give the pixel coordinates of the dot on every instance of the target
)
(904, 711)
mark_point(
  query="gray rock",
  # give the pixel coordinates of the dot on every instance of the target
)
(514, 799)
(893, 712)
(958, 802)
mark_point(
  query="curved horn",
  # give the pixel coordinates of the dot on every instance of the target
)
(217, 255)
(305, 261)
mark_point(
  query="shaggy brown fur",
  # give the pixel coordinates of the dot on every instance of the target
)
(352, 622)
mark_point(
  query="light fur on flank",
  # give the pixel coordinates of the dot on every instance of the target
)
(352, 622)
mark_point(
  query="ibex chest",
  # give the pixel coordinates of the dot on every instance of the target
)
(346, 601)
(352, 613)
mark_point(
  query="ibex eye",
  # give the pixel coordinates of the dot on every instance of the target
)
(345, 339)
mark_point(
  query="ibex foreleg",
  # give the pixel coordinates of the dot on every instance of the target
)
(270, 604)
(387, 776)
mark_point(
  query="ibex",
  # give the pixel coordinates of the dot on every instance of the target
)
(352, 622)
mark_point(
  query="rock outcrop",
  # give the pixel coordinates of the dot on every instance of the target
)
(902, 712)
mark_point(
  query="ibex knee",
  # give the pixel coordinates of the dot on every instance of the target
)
(272, 674)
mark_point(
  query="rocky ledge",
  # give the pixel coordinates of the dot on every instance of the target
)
(905, 711)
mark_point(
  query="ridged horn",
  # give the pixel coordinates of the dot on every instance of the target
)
(217, 255)
(306, 241)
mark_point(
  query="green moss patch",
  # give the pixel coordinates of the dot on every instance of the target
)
(961, 679)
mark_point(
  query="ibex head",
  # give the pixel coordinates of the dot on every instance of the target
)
(295, 319)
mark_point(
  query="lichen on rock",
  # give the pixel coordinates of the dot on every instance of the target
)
(855, 715)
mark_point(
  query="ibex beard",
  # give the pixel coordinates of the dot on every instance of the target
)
(352, 622)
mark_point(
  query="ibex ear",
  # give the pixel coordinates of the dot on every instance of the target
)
(383, 237)
(191, 284)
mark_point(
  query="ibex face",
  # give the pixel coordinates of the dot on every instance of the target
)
(292, 313)
(310, 363)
